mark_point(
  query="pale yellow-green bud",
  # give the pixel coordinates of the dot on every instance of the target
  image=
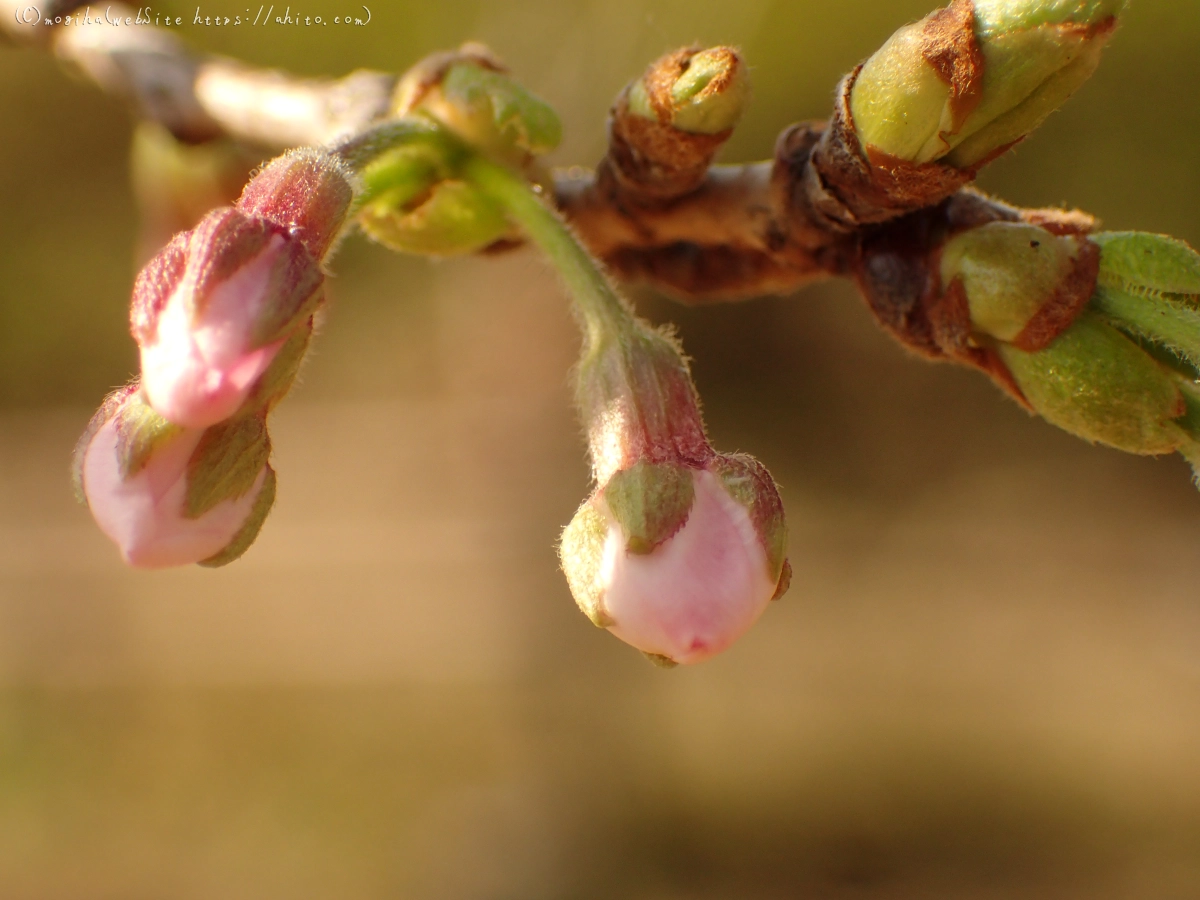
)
(702, 92)
(471, 93)
(1010, 271)
(973, 78)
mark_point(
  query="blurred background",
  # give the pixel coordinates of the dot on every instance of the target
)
(984, 682)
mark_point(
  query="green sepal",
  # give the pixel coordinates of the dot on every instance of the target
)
(752, 487)
(1149, 264)
(651, 502)
(140, 431)
(248, 533)
(517, 116)
(274, 383)
(1098, 384)
(226, 463)
(581, 551)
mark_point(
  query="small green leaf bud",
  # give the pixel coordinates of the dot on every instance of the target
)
(700, 92)
(470, 92)
(426, 212)
(970, 80)
(667, 126)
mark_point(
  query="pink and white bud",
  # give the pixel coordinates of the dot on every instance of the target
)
(679, 562)
(169, 496)
(212, 311)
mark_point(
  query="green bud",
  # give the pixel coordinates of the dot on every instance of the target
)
(1096, 383)
(702, 92)
(971, 79)
(667, 126)
(471, 93)
(1009, 271)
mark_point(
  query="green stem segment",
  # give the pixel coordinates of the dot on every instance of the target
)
(601, 308)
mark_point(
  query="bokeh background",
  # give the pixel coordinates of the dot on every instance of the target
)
(984, 682)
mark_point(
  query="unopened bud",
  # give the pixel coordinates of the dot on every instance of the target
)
(213, 309)
(667, 126)
(675, 561)
(699, 92)
(970, 80)
(470, 92)
(1020, 280)
(167, 495)
(1096, 383)
(680, 549)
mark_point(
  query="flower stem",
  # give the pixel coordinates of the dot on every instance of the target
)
(602, 310)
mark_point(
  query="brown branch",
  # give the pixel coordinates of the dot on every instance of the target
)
(737, 235)
(762, 228)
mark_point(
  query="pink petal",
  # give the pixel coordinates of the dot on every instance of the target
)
(699, 591)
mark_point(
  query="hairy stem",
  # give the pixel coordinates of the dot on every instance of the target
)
(600, 307)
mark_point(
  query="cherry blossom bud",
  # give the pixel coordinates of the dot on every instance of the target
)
(676, 561)
(213, 310)
(680, 549)
(168, 495)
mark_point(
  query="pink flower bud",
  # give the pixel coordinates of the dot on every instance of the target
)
(212, 310)
(307, 192)
(169, 496)
(679, 562)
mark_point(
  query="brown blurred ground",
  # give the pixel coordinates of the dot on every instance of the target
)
(984, 683)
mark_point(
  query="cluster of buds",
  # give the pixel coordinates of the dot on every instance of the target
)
(174, 467)
(680, 548)
(1097, 333)
(945, 95)
(415, 199)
